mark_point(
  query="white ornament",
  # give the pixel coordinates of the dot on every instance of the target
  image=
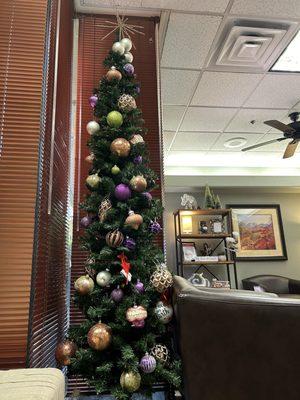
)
(117, 47)
(164, 312)
(103, 278)
(126, 43)
(128, 57)
(92, 127)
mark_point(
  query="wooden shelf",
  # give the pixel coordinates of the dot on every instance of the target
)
(204, 236)
(208, 263)
(213, 211)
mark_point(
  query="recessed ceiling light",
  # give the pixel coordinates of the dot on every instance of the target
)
(235, 142)
(289, 60)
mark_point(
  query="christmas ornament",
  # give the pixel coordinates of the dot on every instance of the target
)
(130, 381)
(138, 160)
(93, 181)
(148, 196)
(112, 74)
(136, 138)
(103, 278)
(118, 48)
(125, 267)
(148, 364)
(121, 26)
(129, 243)
(85, 221)
(64, 352)
(139, 287)
(122, 192)
(126, 43)
(160, 352)
(164, 312)
(114, 119)
(134, 220)
(114, 238)
(138, 89)
(104, 207)
(115, 170)
(136, 315)
(93, 100)
(128, 57)
(129, 69)
(84, 285)
(154, 227)
(99, 336)
(161, 279)
(126, 103)
(120, 147)
(90, 158)
(138, 183)
(117, 295)
(92, 127)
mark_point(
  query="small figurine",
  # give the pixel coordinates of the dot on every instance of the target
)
(203, 228)
(199, 280)
(189, 202)
(207, 250)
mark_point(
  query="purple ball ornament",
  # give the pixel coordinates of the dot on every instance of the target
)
(154, 227)
(148, 364)
(148, 196)
(93, 100)
(129, 69)
(138, 160)
(122, 192)
(85, 221)
(139, 286)
(129, 243)
(117, 295)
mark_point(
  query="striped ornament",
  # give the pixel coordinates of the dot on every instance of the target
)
(114, 238)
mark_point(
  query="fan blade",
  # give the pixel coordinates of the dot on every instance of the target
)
(280, 126)
(290, 149)
(264, 143)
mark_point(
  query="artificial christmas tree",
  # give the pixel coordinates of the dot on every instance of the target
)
(127, 313)
(208, 198)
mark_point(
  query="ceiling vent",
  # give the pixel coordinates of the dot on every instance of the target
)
(251, 45)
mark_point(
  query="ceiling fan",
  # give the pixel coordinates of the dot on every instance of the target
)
(290, 131)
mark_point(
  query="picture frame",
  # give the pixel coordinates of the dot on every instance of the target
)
(261, 234)
(189, 251)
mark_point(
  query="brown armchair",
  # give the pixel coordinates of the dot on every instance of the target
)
(237, 345)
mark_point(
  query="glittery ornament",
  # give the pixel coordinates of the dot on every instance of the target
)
(93, 100)
(114, 238)
(120, 147)
(130, 381)
(118, 48)
(129, 69)
(92, 127)
(99, 336)
(154, 227)
(128, 57)
(84, 285)
(112, 74)
(134, 220)
(103, 278)
(122, 192)
(136, 138)
(139, 286)
(126, 103)
(104, 207)
(164, 312)
(126, 43)
(136, 315)
(117, 295)
(85, 221)
(148, 364)
(64, 352)
(161, 353)
(138, 160)
(93, 181)
(129, 243)
(161, 279)
(138, 183)
(114, 119)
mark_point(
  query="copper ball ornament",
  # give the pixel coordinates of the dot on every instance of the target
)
(114, 238)
(134, 220)
(92, 127)
(130, 381)
(112, 74)
(99, 336)
(126, 103)
(138, 183)
(120, 147)
(84, 285)
(64, 352)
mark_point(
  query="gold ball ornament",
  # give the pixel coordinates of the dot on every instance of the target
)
(136, 138)
(126, 103)
(161, 353)
(120, 147)
(134, 220)
(93, 181)
(138, 183)
(130, 381)
(161, 279)
(84, 285)
(64, 352)
(112, 74)
(99, 336)
(114, 238)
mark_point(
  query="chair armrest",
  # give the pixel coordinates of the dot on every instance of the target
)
(294, 286)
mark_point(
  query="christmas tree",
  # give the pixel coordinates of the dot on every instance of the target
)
(208, 198)
(124, 345)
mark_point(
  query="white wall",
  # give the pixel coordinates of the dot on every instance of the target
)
(290, 210)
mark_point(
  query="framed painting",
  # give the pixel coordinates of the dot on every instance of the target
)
(261, 236)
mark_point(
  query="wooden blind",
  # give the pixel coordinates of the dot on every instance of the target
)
(22, 39)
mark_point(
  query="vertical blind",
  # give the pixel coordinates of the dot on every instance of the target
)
(22, 39)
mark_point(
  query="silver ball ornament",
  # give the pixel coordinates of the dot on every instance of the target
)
(128, 57)
(117, 47)
(92, 127)
(126, 43)
(103, 278)
(164, 312)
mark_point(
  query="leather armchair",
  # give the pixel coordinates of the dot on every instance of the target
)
(282, 286)
(237, 345)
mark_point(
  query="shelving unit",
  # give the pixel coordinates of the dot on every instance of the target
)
(217, 239)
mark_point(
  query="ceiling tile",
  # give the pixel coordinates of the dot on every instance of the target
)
(242, 121)
(225, 88)
(188, 40)
(207, 119)
(167, 139)
(196, 141)
(184, 158)
(270, 8)
(252, 138)
(189, 5)
(275, 91)
(177, 85)
(109, 3)
(171, 116)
